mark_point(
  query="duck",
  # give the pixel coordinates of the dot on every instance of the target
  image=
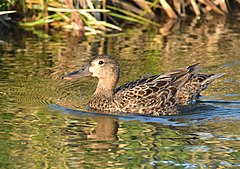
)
(156, 95)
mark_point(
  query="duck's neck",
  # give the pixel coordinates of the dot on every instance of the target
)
(105, 88)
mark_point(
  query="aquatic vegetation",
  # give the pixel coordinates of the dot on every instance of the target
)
(97, 17)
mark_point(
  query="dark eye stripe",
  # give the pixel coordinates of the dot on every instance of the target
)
(100, 62)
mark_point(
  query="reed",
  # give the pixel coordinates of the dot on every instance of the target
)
(97, 17)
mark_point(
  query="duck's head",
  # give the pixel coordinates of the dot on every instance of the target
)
(102, 67)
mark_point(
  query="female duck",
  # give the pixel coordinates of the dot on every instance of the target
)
(155, 95)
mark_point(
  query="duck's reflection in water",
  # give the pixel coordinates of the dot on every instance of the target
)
(106, 130)
(99, 133)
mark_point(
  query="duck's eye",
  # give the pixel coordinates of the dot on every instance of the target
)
(100, 62)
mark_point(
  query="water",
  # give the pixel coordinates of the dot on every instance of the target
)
(44, 123)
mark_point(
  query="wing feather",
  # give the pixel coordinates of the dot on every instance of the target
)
(156, 93)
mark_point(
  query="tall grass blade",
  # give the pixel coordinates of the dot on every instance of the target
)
(6, 12)
(126, 18)
(170, 12)
(130, 14)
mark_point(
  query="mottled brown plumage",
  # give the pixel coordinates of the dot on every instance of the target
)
(155, 95)
(194, 86)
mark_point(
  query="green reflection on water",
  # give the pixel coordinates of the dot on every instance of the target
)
(34, 136)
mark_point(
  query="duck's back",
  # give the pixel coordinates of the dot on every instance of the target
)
(155, 95)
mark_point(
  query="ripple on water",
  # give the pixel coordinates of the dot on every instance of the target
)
(43, 123)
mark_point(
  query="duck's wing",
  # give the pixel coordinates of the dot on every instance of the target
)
(194, 86)
(138, 82)
(155, 96)
(156, 79)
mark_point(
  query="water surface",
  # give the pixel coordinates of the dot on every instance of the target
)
(44, 123)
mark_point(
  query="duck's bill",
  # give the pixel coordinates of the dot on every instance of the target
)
(77, 74)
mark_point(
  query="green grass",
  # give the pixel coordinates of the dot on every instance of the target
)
(97, 17)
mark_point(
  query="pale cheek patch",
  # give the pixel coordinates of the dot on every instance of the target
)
(91, 70)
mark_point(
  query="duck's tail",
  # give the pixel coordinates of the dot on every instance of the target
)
(194, 86)
(211, 78)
